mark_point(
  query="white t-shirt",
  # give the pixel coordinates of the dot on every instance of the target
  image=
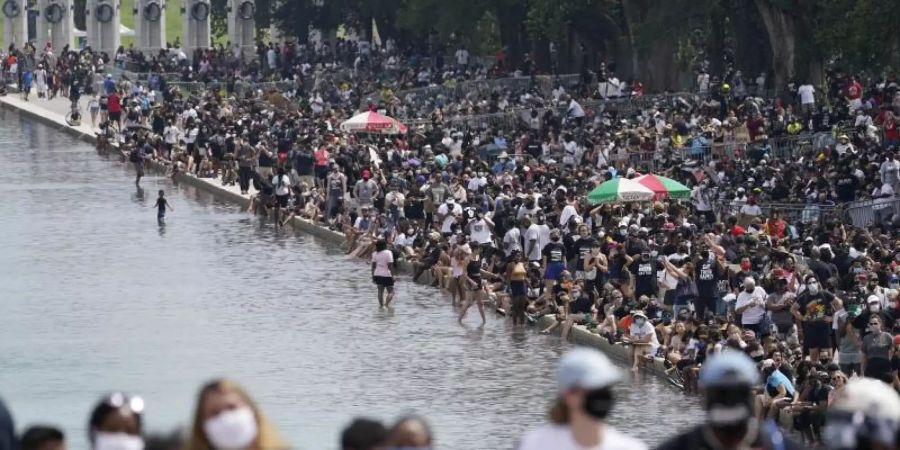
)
(171, 134)
(640, 332)
(807, 94)
(512, 241)
(462, 57)
(754, 314)
(480, 231)
(559, 437)
(533, 233)
(449, 216)
(751, 210)
(383, 260)
(283, 188)
(566, 214)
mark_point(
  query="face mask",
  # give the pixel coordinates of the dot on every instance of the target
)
(729, 408)
(874, 308)
(231, 430)
(639, 321)
(813, 288)
(745, 266)
(598, 403)
(117, 441)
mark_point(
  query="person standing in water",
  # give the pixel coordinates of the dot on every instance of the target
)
(471, 278)
(381, 272)
(161, 205)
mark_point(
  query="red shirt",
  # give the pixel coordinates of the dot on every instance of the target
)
(113, 104)
(854, 91)
(321, 156)
(890, 129)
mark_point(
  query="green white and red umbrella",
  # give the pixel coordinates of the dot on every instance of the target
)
(620, 190)
(663, 187)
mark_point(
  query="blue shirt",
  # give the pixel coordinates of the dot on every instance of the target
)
(779, 379)
(109, 85)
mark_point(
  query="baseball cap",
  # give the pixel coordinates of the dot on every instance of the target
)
(729, 369)
(873, 299)
(586, 368)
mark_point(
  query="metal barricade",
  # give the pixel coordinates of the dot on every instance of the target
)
(863, 213)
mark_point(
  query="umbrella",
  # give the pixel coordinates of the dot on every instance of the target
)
(372, 122)
(664, 187)
(620, 190)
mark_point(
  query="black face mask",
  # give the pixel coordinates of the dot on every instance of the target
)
(729, 409)
(598, 403)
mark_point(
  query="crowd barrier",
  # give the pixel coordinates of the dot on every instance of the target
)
(864, 213)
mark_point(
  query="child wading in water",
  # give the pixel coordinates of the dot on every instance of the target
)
(161, 205)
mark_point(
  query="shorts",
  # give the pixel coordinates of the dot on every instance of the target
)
(518, 288)
(383, 281)
(553, 270)
(816, 335)
(321, 171)
(115, 116)
(282, 200)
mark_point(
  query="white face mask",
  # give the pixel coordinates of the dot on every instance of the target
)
(813, 288)
(117, 441)
(231, 430)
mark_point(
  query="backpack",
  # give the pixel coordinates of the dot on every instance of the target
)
(134, 156)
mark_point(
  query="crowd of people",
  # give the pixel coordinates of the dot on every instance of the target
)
(225, 418)
(758, 259)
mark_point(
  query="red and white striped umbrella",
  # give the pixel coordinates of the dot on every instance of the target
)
(372, 122)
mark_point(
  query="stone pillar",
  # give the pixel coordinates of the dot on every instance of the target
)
(102, 20)
(241, 24)
(195, 25)
(15, 23)
(150, 25)
(55, 24)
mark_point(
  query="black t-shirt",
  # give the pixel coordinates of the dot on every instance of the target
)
(554, 252)
(583, 248)
(823, 271)
(845, 187)
(708, 275)
(815, 307)
(581, 305)
(644, 277)
(303, 163)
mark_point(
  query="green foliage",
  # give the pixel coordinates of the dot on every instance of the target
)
(861, 35)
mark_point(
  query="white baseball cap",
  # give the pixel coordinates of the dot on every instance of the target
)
(586, 368)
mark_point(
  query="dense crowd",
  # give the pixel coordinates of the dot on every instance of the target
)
(225, 417)
(758, 259)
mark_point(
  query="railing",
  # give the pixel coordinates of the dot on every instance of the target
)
(864, 213)
(797, 214)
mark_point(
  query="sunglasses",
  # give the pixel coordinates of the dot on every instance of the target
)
(120, 400)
